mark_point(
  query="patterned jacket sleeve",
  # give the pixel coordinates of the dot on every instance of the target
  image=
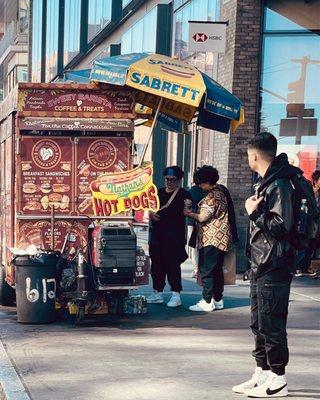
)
(208, 207)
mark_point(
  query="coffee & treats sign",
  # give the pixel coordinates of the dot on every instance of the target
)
(63, 102)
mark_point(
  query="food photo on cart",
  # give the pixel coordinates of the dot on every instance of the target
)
(69, 244)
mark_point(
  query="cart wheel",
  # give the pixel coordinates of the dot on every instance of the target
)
(79, 316)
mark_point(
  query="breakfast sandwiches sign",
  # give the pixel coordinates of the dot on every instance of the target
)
(114, 193)
(45, 176)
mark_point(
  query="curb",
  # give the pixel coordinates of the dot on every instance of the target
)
(11, 387)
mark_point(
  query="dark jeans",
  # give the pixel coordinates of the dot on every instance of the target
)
(269, 310)
(211, 272)
(165, 262)
(304, 257)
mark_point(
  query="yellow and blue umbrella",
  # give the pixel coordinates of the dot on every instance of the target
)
(173, 88)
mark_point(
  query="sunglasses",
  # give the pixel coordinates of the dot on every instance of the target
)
(171, 179)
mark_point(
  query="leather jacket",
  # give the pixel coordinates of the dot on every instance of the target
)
(271, 223)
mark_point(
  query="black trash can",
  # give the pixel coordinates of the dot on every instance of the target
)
(36, 287)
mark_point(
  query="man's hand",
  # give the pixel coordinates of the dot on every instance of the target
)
(252, 204)
(187, 213)
(154, 216)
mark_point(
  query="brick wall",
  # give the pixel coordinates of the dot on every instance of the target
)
(239, 72)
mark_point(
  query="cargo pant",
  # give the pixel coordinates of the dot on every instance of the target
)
(269, 310)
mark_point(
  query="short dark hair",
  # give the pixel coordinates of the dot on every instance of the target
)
(207, 174)
(173, 170)
(195, 179)
(315, 176)
(264, 142)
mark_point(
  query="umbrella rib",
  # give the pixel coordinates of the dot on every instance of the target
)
(151, 132)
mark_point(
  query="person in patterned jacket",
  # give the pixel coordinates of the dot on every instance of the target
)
(214, 238)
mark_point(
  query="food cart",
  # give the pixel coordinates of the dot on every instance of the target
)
(56, 139)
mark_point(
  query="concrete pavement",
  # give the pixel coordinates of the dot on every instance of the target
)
(166, 354)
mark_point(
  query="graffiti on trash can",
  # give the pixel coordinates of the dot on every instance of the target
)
(33, 295)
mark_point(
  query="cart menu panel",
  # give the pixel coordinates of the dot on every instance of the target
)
(56, 172)
(94, 157)
(46, 176)
(38, 233)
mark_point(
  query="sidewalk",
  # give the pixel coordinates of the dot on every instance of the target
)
(166, 354)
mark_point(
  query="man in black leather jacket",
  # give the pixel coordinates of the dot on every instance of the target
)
(272, 258)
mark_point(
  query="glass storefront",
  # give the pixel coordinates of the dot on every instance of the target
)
(142, 35)
(72, 14)
(52, 39)
(36, 40)
(99, 16)
(290, 81)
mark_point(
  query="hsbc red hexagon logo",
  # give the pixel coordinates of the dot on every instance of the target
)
(200, 37)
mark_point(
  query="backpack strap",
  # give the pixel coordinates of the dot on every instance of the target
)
(170, 200)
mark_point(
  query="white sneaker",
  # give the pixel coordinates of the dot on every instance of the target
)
(274, 386)
(202, 305)
(219, 305)
(258, 378)
(155, 298)
(175, 300)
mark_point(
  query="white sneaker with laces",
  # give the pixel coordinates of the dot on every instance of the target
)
(203, 306)
(219, 305)
(274, 386)
(175, 300)
(155, 298)
(258, 378)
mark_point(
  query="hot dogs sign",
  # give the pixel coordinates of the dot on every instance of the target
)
(113, 193)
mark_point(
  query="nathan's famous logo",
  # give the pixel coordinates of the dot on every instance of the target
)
(46, 154)
(113, 193)
(102, 154)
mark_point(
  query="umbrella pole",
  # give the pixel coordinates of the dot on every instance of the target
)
(151, 132)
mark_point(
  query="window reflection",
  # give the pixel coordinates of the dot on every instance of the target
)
(294, 15)
(52, 39)
(18, 74)
(290, 86)
(36, 40)
(99, 16)
(71, 29)
(142, 35)
(125, 3)
(23, 16)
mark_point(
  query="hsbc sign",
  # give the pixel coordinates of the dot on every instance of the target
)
(199, 37)
(207, 36)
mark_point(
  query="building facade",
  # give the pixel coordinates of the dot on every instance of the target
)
(272, 63)
(14, 34)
